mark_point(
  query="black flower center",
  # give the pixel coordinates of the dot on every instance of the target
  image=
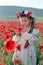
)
(8, 44)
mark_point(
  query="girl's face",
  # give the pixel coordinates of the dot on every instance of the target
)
(25, 22)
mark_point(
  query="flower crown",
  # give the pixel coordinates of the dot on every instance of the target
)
(24, 14)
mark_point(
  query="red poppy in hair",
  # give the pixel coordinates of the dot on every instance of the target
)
(29, 14)
(18, 15)
(24, 14)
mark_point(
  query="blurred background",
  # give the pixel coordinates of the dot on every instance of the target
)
(9, 12)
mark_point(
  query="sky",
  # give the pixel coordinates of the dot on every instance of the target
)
(23, 3)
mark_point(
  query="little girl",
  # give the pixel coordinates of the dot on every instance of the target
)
(27, 39)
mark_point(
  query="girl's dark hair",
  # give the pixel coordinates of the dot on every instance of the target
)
(32, 24)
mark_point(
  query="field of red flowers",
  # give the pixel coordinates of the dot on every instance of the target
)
(9, 26)
(7, 29)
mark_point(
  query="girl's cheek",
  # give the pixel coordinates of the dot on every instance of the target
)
(26, 23)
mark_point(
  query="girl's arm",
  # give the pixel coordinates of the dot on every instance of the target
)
(35, 37)
(30, 39)
(17, 39)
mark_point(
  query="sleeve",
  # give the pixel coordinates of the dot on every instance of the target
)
(14, 55)
(35, 37)
(26, 36)
(16, 38)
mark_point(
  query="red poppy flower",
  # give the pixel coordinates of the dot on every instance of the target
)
(2, 28)
(41, 46)
(37, 25)
(19, 47)
(42, 51)
(0, 34)
(0, 50)
(29, 13)
(5, 56)
(17, 61)
(11, 31)
(18, 15)
(7, 35)
(19, 29)
(26, 44)
(1, 63)
(10, 45)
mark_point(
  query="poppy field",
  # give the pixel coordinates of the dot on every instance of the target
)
(8, 46)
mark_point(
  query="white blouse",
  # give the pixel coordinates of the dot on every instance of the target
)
(32, 39)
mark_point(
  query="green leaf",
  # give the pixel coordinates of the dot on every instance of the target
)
(11, 63)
